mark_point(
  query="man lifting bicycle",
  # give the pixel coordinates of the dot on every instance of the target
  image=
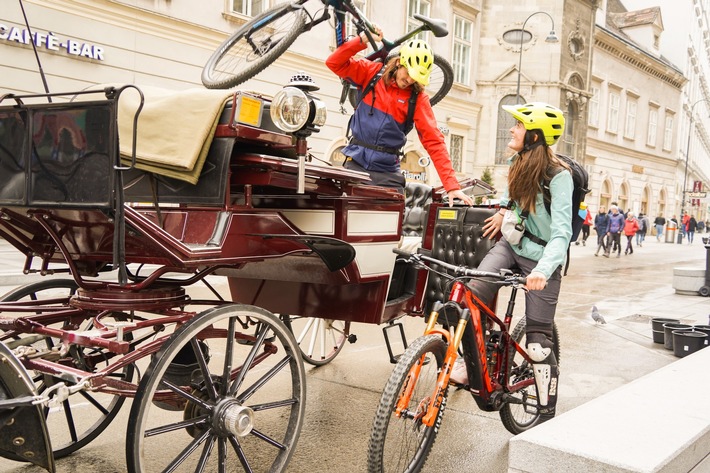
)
(379, 125)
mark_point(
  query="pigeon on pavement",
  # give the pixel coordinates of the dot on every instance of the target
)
(597, 316)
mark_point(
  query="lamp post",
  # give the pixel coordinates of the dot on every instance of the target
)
(685, 176)
(551, 38)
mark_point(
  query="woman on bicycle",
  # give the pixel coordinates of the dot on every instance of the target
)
(378, 125)
(542, 244)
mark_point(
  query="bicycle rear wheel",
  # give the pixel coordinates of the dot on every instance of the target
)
(254, 46)
(440, 81)
(402, 444)
(520, 415)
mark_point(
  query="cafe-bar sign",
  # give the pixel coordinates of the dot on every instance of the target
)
(51, 42)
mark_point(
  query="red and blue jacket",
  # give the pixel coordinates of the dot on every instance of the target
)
(381, 123)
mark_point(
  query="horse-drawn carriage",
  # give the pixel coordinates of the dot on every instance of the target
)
(306, 248)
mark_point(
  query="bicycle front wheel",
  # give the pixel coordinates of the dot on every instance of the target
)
(521, 413)
(402, 443)
(254, 46)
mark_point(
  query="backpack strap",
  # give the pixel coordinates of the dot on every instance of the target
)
(409, 121)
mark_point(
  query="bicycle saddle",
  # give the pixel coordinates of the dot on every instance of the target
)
(438, 27)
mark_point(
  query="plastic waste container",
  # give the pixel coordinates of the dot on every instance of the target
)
(671, 231)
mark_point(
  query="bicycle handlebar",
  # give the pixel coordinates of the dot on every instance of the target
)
(506, 279)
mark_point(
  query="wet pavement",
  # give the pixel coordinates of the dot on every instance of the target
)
(343, 395)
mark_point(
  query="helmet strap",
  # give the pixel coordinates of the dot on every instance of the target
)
(533, 139)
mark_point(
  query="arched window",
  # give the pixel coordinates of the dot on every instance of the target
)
(570, 127)
(605, 195)
(623, 199)
(662, 203)
(505, 123)
(645, 197)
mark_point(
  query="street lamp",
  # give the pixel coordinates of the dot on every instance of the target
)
(551, 38)
(687, 154)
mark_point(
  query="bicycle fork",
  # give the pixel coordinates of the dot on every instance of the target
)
(428, 409)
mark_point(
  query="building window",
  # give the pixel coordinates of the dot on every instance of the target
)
(668, 133)
(248, 7)
(422, 7)
(456, 152)
(652, 125)
(570, 126)
(505, 123)
(612, 124)
(630, 126)
(594, 108)
(463, 35)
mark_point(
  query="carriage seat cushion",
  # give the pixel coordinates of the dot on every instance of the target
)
(175, 129)
(417, 198)
(458, 241)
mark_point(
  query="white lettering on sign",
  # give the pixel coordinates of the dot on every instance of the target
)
(51, 42)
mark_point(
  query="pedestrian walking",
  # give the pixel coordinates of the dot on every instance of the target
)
(601, 226)
(690, 228)
(659, 222)
(616, 226)
(585, 225)
(631, 227)
(641, 232)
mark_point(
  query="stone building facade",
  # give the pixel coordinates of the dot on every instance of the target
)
(634, 114)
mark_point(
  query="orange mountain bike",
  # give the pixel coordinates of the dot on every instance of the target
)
(500, 372)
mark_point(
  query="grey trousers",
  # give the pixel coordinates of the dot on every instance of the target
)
(540, 306)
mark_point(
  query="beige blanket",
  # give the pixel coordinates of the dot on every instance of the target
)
(175, 129)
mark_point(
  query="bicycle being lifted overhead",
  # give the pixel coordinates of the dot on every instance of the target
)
(260, 41)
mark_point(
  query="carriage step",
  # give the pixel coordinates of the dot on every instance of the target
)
(393, 357)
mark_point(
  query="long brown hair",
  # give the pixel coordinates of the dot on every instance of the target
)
(532, 167)
(391, 69)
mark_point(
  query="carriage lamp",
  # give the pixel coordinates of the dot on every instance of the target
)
(294, 109)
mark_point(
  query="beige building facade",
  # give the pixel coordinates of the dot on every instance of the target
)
(634, 116)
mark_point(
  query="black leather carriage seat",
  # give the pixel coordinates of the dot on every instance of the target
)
(458, 239)
(417, 197)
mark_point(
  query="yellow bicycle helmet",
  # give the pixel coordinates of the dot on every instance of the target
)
(417, 57)
(540, 116)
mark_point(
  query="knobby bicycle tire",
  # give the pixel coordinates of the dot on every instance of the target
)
(387, 425)
(442, 78)
(254, 46)
(510, 413)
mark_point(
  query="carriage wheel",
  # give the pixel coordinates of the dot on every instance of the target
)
(215, 396)
(83, 416)
(320, 340)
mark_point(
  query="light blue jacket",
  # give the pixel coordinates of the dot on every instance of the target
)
(555, 229)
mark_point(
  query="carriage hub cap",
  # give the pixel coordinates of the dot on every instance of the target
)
(233, 418)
